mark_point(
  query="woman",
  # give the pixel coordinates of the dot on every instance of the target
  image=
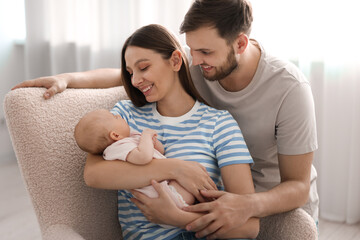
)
(156, 78)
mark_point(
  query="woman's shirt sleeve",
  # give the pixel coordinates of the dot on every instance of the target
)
(229, 144)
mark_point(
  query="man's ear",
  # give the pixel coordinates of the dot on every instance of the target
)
(241, 43)
(176, 60)
(114, 136)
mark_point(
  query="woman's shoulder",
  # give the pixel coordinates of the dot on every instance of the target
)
(122, 105)
(213, 111)
(128, 107)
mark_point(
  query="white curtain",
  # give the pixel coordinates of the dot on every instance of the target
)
(78, 35)
(320, 36)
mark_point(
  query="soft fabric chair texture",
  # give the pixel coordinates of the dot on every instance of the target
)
(292, 225)
(52, 166)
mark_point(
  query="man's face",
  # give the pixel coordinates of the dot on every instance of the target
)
(215, 57)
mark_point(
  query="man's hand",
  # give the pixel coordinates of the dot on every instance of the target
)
(227, 212)
(54, 84)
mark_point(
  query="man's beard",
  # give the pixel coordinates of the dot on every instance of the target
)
(226, 69)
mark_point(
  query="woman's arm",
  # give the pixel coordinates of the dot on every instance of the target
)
(99, 78)
(116, 175)
(99, 173)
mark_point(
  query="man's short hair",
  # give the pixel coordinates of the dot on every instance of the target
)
(228, 17)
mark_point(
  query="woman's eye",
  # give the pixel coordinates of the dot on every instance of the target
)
(144, 68)
(205, 53)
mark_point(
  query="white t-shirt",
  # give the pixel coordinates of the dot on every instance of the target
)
(276, 115)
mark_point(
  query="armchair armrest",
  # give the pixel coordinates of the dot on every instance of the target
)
(292, 225)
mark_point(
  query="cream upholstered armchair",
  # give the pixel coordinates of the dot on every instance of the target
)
(52, 168)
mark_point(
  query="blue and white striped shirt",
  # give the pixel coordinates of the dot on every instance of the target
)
(204, 134)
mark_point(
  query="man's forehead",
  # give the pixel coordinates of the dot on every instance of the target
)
(204, 39)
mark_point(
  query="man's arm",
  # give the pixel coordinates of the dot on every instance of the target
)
(99, 78)
(292, 192)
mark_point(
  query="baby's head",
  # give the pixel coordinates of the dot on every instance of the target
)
(98, 129)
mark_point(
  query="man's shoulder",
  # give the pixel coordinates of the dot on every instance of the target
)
(284, 68)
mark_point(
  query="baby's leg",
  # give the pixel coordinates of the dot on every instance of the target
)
(178, 194)
(186, 196)
(150, 190)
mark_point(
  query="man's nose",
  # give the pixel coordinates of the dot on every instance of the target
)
(196, 59)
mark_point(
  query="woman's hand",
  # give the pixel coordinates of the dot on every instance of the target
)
(161, 210)
(194, 177)
(54, 84)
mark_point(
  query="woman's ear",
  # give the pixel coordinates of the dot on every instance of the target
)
(114, 136)
(176, 60)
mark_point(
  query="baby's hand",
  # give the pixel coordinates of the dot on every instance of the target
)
(150, 132)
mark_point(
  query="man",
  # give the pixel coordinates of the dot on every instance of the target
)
(270, 99)
(272, 103)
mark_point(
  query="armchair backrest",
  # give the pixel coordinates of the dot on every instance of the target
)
(52, 165)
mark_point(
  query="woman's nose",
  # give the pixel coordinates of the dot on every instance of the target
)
(136, 80)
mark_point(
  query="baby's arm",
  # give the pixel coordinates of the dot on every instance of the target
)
(144, 152)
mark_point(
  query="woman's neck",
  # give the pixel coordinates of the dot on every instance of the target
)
(175, 105)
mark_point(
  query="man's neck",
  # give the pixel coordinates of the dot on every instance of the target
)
(241, 77)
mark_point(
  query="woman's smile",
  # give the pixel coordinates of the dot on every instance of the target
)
(146, 90)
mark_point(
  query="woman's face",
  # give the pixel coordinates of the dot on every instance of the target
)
(150, 73)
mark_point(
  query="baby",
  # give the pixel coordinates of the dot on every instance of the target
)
(100, 131)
